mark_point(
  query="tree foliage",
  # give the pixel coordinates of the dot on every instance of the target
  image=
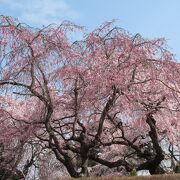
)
(111, 98)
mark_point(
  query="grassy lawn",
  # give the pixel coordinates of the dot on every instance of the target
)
(157, 177)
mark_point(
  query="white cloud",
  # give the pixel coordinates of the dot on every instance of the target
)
(39, 12)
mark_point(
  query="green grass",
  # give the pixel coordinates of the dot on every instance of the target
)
(154, 177)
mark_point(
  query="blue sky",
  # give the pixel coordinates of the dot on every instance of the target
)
(150, 18)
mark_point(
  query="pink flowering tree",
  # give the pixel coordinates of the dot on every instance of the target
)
(110, 100)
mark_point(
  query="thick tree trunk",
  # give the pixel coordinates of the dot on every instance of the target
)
(153, 164)
(72, 171)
